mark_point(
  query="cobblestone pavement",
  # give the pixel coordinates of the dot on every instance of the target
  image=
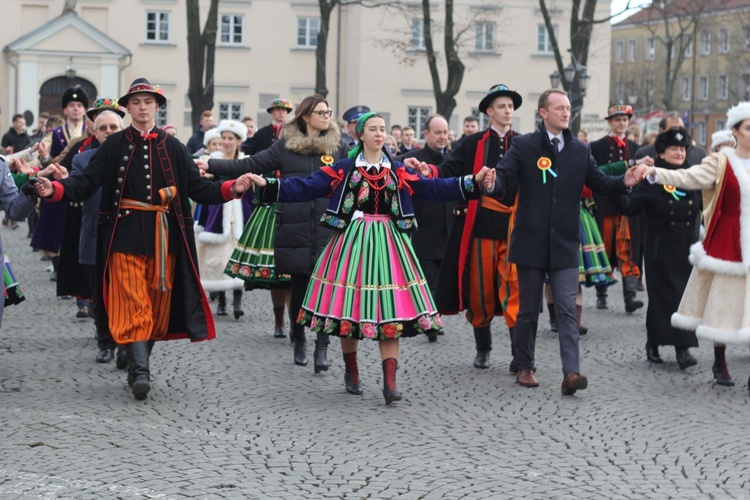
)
(235, 418)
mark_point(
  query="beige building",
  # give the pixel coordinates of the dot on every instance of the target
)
(711, 61)
(265, 50)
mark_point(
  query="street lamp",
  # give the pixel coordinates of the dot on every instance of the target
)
(567, 80)
(632, 96)
(70, 72)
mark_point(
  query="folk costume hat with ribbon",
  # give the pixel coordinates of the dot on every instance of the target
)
(280, 103)
(672, 137)
(738, 113)
(141, 85)
(500, 90)
(237, 128)
(104, 105)
(75, 94)
(619, 110)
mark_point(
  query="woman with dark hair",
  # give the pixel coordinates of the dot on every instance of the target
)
(310, 140)
(673, 222)
(368, 282)
(716, 302)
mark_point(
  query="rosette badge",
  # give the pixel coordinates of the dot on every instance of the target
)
(676, 194)
(545, 164)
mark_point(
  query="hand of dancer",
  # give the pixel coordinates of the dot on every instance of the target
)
(258, 180)
(44, 187)
(243, 183)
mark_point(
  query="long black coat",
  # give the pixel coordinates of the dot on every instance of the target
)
(673, 225)
(110, 168)
(547, 232)
(434, 219)
(263, 138)
(300, 239)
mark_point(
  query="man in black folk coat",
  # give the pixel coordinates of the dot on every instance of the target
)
(551, 167)
(265, 136)
(146, 265)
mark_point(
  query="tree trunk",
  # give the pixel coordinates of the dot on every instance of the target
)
(320, 51)
(201, 58)
(445, 100)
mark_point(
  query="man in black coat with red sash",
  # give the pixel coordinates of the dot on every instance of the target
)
(147, 275)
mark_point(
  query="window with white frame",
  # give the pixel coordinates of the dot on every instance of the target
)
(417, 34)
(417, 117)
(702, 88)
(632, 48)
(722, 87)
(723, 41)
(230, 111)
(687, 44)
(482, 118)
(157, 27)
(232, 28)
(619, 52)
(543, 40)
(701, 132)
(307, 31)
(705, 43)
(484, 36)
(650, 49)
(685, 88)
(162, 115)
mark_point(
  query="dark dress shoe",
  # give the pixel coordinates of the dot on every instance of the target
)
(684, 358)
(526, 378)
(582, 330)
(278, 332)
(105, 355)
(574, 382)
(652, 353)
(632, 305)
(482, 359)
(432, 336)
(722, 379)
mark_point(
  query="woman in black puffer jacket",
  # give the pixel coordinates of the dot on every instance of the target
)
(311, 140)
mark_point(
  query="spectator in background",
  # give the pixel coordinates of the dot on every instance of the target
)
(250, 124)
(206, 122)
(583, 136)
(634, 134)
(171, 129)
(41, 128)
(471, 126)
(649, 138)
(391, 144)
(16, 138)
(396, 133)
(407, 141)
(264, 137)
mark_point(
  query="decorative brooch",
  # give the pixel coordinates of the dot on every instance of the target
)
(327, 159)
(674, 192)
(544, 164)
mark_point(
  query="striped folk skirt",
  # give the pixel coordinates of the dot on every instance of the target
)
(252, 259)
(593, 265)
(368, 284)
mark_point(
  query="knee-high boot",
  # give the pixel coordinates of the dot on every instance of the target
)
(138, 357)
(55, 262)
(720, 370)
(237, 304)
(221, 307)
(629, 284)
(483, 338)
(321, 352)
(278, 315)
(601, 297)
(351, 373)
(390, 366)
(300, 345)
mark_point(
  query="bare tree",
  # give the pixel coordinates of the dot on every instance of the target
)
(674, 24)
(582, 22)
(201, 57)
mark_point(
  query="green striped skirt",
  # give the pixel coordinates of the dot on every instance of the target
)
(593, 265)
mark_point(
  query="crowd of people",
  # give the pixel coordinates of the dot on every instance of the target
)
(359, 231)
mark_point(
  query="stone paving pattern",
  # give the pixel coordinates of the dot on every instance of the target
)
(235, 418)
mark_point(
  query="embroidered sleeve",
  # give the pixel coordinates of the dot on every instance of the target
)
(469, 189)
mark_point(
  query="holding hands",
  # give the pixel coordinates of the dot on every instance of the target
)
(486, 178)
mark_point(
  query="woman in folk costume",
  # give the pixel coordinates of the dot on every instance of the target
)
(716, 302)
(222, 229)
(672, 227)
(211, 144)
(368, 282)
(310, 140)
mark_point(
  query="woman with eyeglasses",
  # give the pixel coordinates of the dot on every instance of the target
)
(309, 141)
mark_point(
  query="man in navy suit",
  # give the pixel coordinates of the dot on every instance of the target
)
(551, 167)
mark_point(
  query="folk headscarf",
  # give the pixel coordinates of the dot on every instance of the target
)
(358, 128)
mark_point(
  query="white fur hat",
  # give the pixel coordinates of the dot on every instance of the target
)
(237, 128)
(721, 137)
(211, 134)
(738, 113)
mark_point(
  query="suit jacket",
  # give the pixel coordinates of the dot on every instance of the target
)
(547, 232)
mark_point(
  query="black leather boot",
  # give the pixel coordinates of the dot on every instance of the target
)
(582, 330)
(720, 370)
(652, 353)
(629, 284)
(552, 317)
(278, 315)
(391, 394)
(601, 297)
(121, 359)
(138, 354)
(221, 307)
(483, 338)
(321, 352)
(684, 358)
(300, 344)
(351, 373)
(55, 262)
(237, 304)
(105, 355)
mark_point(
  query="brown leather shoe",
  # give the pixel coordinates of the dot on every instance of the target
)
(574, 382)
(527, 379)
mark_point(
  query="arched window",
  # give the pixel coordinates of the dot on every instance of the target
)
(50, 95)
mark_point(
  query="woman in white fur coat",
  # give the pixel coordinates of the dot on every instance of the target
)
(216, 238)
(716, 302)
